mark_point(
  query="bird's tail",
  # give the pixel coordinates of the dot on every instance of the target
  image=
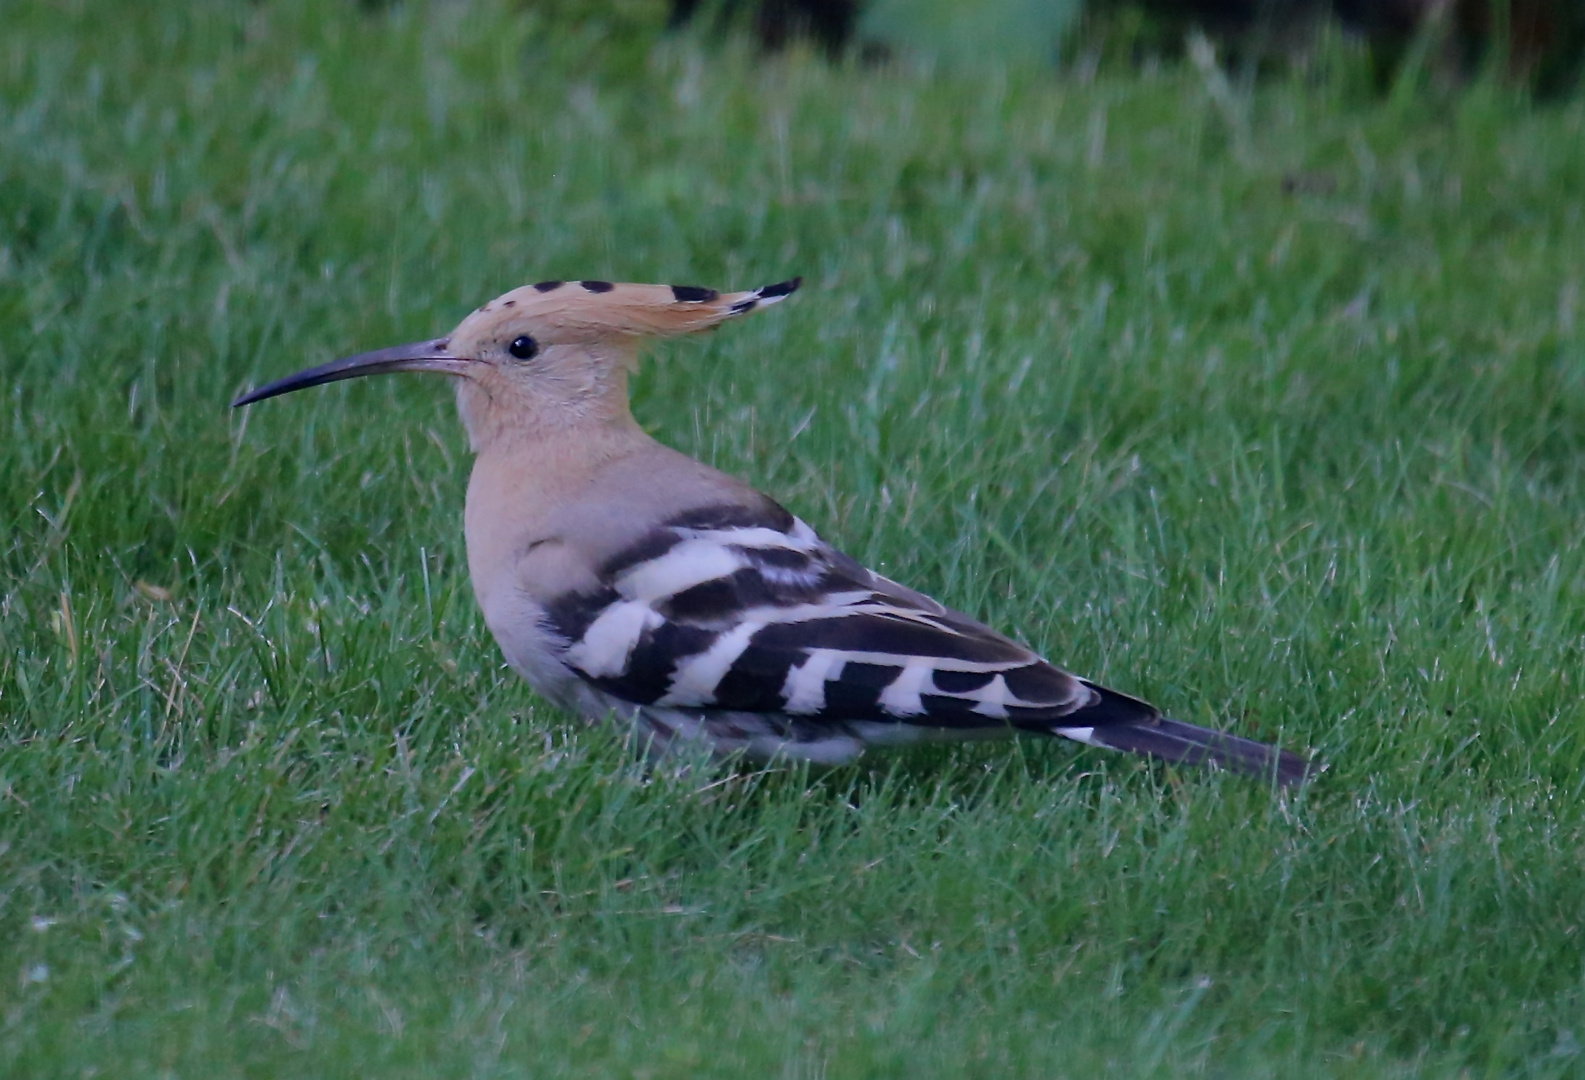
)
(1124, 723)
(1173, 740)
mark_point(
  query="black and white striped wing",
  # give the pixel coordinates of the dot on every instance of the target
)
(746, 609)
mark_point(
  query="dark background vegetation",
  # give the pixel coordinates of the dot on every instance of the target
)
(1534, 42)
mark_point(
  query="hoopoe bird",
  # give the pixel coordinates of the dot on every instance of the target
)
(624, 579)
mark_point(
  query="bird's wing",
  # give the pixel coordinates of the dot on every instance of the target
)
(746, 609)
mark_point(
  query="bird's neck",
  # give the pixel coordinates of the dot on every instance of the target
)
(522, 484)
(539, 452)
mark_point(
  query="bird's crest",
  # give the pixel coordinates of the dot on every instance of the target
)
(581, 310)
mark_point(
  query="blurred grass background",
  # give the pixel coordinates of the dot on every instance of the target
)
(1262, 399)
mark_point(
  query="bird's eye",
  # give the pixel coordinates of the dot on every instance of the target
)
(524, 347)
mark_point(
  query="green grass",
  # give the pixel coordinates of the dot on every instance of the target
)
(1303, 459)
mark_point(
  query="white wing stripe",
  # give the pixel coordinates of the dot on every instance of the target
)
(805, 688)
(993, 698)
(806, 577)
(901, 696)
(608, 642)
(690, 563)
(697, 678)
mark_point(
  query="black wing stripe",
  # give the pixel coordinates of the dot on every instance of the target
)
(856, 695)
(861, 633)
(725, 600)
(754, 683)
(653, 661)
(652, 546)
(571, 615)
(958, 712)
(961, 682)
(707, 520)
(768, 515)
(1041, 683)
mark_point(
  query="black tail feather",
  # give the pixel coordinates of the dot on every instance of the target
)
(1173, 740)
(1121, 722)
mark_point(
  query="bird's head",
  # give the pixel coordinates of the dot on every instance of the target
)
(546, 355)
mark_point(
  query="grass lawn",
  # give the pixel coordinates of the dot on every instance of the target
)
(1268, 407)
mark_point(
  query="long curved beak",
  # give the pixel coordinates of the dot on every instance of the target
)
(420, 356)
